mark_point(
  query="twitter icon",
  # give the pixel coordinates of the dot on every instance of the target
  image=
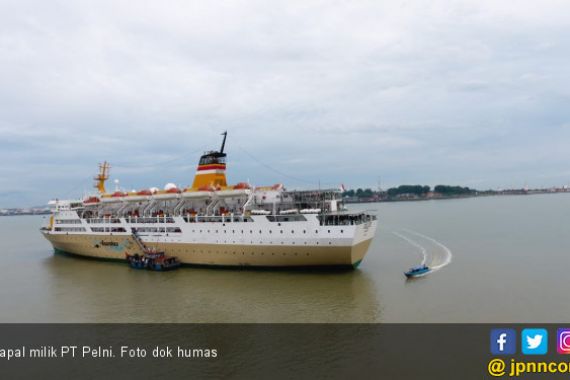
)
(534, 341)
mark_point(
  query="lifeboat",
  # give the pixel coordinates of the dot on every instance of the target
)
(91, 200)
(277, 186)
(173, 190)
(290, 211)
(310, 211)
(139, 195)
(118, 194)
(260, 212)
(242, 186)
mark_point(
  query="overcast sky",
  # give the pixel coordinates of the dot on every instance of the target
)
(474, 93)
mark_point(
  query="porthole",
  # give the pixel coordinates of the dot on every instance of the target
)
(329, 231)
(304, 231)
(292, 231)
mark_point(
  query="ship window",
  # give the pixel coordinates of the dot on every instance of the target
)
(281, 231)
(341, 231)
(316, 231)
(250, 231)
(259, 231)
(292, 231)
(304, 231)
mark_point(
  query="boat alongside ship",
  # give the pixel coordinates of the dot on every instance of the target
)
(213, 223)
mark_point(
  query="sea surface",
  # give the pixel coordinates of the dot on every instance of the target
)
(499, 259)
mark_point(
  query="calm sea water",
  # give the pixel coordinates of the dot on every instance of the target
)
(503, 259)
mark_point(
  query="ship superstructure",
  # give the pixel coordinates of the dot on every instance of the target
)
(213, 223)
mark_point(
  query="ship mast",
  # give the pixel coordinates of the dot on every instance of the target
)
(102, 177)
(225, 134)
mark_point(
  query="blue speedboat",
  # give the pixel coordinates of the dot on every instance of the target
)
(417, 271)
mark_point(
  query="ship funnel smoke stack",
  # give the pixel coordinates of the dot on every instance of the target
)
(211, 171)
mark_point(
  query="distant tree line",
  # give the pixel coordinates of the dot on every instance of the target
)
(452, 190)
(413, 190)
(360, 193)
(418, 190)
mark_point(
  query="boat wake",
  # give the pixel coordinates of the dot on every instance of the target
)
(437, 258)
(422, 249)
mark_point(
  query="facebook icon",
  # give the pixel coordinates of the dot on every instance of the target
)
(503, 342)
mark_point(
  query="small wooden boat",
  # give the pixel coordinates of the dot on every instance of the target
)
(417, 271)
(155, 260)
(151, 259)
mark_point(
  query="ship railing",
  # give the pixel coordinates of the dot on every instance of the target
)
(345, 219)
(149, 220)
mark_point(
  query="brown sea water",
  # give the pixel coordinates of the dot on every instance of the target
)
(503, 259)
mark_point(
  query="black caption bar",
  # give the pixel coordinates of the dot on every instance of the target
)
(250, 351)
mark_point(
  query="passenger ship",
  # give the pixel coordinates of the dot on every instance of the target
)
(213, 223)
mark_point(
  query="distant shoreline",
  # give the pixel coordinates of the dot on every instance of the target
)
(448, 197)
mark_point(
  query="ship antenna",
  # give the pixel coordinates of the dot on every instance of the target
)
(225, 134)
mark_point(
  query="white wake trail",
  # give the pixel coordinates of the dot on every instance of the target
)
(448, 255)
(423, 251)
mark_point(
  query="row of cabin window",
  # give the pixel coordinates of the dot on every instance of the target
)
(270, 231)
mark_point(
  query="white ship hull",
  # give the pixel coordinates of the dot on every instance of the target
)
(257, 243)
